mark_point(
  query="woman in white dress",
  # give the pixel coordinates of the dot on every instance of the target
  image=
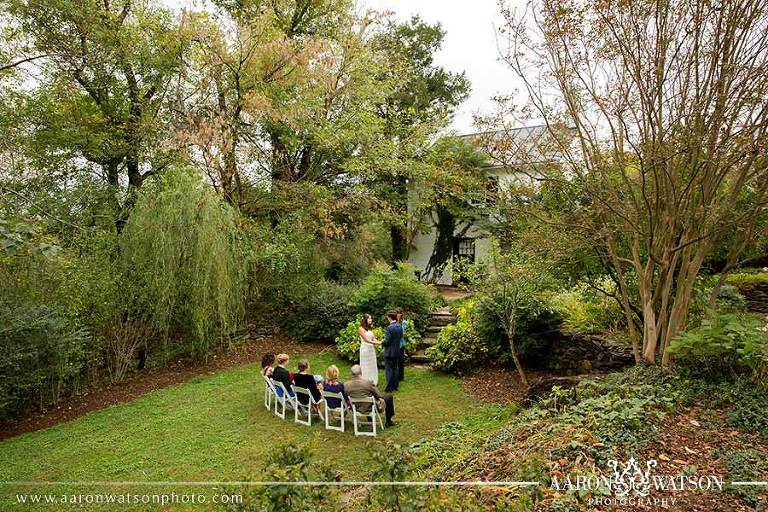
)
(368, 350)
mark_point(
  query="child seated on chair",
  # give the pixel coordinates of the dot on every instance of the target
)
(303, 379)
(333, 385)
(281, 374)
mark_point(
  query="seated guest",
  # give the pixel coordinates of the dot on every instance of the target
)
(333, 385)
(280, 374)
(305, 380)
(358, 387)
(267, 360)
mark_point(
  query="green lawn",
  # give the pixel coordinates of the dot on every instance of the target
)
(211, 428)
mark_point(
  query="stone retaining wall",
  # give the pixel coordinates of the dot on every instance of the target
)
(581, 353)
(757, 298)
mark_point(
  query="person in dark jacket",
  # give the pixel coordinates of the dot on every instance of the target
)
(391, 344)
(403, 341)
(282, 375)
(303, 379)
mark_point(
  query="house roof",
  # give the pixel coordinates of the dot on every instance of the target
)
(526, 144)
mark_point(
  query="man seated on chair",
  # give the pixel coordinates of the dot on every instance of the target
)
(307, 381)
(358, 387)
(281, 374)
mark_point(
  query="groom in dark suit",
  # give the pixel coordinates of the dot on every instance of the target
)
(391, 344)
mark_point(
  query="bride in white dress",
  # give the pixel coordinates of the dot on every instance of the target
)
(368, 350)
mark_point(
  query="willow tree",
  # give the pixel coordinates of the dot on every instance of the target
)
(655, 117)
(182, 265)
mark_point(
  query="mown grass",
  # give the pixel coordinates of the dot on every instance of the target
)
(212, 428)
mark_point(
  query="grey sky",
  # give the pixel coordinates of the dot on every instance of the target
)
(470, 45)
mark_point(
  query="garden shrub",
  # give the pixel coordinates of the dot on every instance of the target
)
(90, 287)
(41, 353)
(744, 280)
(387, 288)
(121, 342)
(617, 410)
(729, 300)
(750, 465)
(748, 410)
(537, 322)
(725, 345)
(284, 267)
(588, 314)
(347, 272)
(350, 260)
(321, 314)
(459, 346)
(348, 341)
(460, 438)
(392, 463)
(290, 463)
(54, 304)
(477, 336)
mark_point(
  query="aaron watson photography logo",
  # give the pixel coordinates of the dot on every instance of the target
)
(632, 482)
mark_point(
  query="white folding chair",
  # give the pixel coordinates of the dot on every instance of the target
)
(269, 392)
(365, 418)
(282, 398)
(334, 410)
(297, 411)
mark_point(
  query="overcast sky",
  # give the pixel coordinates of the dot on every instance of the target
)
(469, 45)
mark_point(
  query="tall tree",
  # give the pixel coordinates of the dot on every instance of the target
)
(449, 194)
(655, 128)
(421, 103)
(105, 72)
(233, 62)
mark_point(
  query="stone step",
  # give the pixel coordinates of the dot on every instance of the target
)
(441, 320)
(419, 357)
(434, 329)
(428, 341)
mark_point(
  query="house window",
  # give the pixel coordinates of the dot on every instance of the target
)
(464, 248)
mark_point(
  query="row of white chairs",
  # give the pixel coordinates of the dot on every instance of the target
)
(276, 392)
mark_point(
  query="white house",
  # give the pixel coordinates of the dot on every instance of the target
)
(470, 239)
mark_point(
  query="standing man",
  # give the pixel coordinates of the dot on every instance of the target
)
(392, 352)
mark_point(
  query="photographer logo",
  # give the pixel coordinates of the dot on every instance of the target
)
(632, 483)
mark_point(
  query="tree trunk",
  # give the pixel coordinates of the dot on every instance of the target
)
(625, 303)
(519, 367)
(111, 168)
(442, 252)
(512, 328)
(399, 243)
